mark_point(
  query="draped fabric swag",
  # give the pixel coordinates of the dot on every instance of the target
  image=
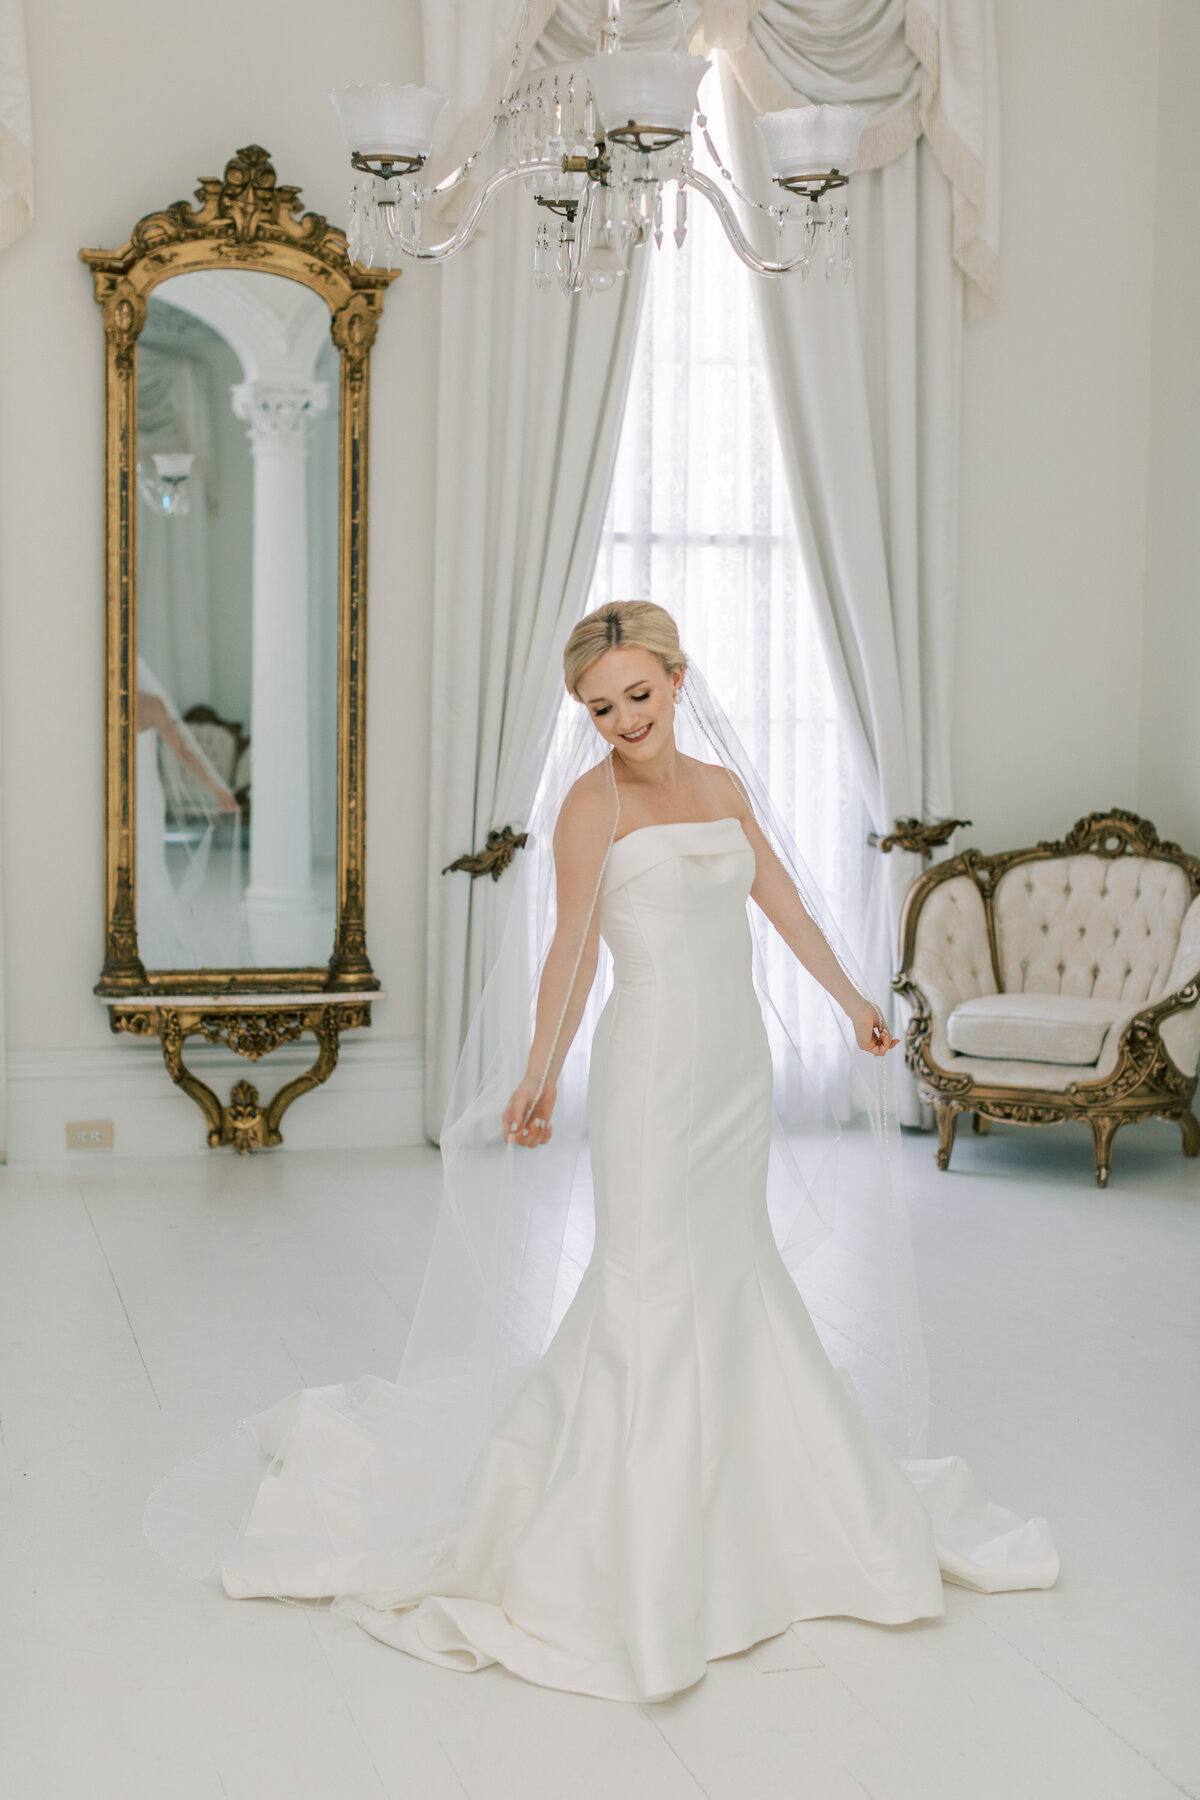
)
(16, 215)
(866, 397)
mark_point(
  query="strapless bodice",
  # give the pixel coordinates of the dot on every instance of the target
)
(673, 904)
(648, 845)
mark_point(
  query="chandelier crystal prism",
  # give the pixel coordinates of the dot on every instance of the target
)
(599, 142)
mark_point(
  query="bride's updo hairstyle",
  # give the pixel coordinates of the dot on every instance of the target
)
(626, 625)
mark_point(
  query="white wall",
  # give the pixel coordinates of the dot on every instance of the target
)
(1056, 408)
(133, 102)
(1170, 738)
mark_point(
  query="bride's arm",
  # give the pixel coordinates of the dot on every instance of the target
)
(775, 892)
(580, 847)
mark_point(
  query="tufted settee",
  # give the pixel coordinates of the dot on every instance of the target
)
(1057, 983)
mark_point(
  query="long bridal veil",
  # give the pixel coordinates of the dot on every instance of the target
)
(356, 1490)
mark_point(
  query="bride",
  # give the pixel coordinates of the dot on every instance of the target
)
(680, 1471)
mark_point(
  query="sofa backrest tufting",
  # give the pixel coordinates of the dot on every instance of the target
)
(1106, 927)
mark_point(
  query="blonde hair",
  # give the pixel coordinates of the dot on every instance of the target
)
(624, 624)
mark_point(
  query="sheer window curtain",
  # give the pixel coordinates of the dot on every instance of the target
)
(16, 215)
(700, 520)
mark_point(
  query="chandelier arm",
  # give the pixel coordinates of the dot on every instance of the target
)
(733, 231)
(772, 212)
(501, 179)
(464, 168)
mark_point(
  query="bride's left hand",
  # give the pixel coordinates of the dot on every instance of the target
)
(870, 1031)
(526, 1118)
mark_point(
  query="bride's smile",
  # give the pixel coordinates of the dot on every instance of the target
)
(630, 698)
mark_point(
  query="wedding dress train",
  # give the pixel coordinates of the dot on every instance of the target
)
(684, 1472)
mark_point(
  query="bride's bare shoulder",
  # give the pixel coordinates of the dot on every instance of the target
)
(721, 789)
(588, 806)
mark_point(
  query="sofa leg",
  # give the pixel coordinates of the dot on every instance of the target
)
(1104, 1129)
(947, 1119)
(980, 1123)
(1190, 1127)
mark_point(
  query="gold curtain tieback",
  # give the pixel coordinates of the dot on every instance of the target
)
(501, 847)
(911, 834)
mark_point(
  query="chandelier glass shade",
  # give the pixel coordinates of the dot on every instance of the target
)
(166, 489)
(646, 99)
(387, 123)
(600, 142)
(811, 147)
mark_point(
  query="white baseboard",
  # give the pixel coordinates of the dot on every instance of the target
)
(373, 1099)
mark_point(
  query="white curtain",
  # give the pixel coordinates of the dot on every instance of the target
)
(16, 215)
(532, 389)
(174, 599)
(866, 388)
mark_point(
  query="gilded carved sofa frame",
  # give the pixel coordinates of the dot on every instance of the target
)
(1145, 1081)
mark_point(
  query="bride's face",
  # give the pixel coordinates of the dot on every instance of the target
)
(631, 699)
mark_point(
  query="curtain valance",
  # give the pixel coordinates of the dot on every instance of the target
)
(926, 67)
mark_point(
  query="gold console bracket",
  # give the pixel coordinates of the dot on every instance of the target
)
(253, 1030)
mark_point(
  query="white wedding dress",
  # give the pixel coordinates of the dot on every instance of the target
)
(684, 1472)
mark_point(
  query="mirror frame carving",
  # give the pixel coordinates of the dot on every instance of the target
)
(247, 220)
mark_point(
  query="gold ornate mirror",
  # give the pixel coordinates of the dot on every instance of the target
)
(237, 354)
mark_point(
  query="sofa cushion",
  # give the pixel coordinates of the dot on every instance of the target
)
(1045, 1028)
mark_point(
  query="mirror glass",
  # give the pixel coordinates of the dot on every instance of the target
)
(237, 586)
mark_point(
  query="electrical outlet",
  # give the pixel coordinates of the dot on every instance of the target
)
(90, 1134)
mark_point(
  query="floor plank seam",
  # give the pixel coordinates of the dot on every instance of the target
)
(647, 1711)
(120, 1297)
(436, 1735)
(1188, 1793)
(384, 1785)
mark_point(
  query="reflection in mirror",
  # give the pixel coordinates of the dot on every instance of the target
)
(237, 544)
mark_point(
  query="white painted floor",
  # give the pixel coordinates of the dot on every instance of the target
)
(145, 1305)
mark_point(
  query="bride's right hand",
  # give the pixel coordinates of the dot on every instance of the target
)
(526, 1118)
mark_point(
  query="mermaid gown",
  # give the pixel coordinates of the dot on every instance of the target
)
(684, 1472)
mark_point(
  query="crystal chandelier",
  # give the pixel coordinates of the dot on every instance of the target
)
(166, 490)
(600, 142)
